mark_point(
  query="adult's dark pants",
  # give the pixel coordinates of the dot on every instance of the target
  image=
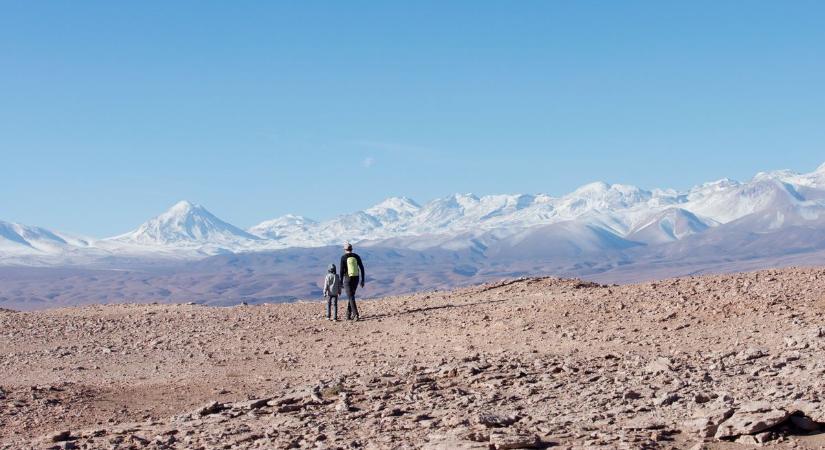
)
(351, 284)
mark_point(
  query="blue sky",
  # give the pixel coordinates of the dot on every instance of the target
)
(112, 111)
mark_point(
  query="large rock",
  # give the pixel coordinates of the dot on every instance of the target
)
(706, 422)
(512, 439)
(751, 418)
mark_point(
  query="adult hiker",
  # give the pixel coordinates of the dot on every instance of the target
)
(352, 271)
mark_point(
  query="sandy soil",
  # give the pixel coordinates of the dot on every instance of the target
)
(730, 361)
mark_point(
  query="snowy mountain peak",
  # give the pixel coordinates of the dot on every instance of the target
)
(603, 196)
(775, 175)
(185, 223)
(184, 207)
(596, 187)
(297, 219)
(821, 168)
(400, 204)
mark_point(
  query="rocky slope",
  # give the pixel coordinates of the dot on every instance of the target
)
(730, 361)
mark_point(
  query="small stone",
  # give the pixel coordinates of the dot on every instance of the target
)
(747, 440)
(667, 399)
(343, 403)
(630, 394)
(701, 398)
(764, 437)
(496, 420)
(659, 365)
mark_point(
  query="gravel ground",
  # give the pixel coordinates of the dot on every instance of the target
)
(732, 361)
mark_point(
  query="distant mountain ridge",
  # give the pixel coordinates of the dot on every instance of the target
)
(596, 217)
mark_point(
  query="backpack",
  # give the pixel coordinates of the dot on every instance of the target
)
(352, 267)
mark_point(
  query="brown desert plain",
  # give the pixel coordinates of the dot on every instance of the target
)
(711, 362)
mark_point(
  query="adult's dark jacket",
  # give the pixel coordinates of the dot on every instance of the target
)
(344, 266)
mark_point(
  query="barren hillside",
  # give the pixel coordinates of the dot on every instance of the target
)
(714, 362)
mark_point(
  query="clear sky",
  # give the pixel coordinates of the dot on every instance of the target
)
(112, 111)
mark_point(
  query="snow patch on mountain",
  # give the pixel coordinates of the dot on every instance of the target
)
(672, 224)
(283, 226)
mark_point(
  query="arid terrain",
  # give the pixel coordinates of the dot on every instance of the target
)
(716, 362)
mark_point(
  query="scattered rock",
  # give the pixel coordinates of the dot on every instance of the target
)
(752, 353)
(251, 404)
(212, 407)
(434, 376)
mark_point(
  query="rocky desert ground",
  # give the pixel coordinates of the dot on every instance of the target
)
(713, 362)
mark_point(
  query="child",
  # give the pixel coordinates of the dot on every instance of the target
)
(332, 289)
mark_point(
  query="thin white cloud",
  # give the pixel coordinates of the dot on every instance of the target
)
(368, 162)
(391, 147)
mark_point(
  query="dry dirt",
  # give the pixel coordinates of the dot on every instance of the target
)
(715, 362)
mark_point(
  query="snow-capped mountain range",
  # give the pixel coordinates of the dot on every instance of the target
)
(596, 217)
